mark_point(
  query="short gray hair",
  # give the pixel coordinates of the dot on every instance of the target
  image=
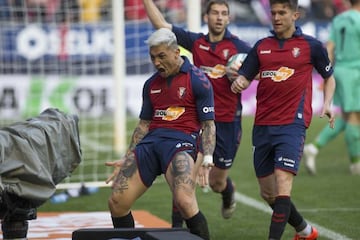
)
(162, 36)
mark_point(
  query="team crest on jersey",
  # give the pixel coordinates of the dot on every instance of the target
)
(296, 52)
(226, 53)
(181, 92)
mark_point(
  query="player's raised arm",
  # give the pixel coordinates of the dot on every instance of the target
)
(155, 16)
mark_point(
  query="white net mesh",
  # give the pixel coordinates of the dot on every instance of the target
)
(59, 53)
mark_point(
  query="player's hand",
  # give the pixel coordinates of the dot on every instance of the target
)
(240, 84)
(117, 166)
(232, 72)
(327, 111)
(203, 176)
(203, 172)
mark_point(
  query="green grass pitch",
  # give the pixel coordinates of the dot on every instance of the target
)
(331, 199)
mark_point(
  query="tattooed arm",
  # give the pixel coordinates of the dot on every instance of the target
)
(140, 131)
(204, 161)
(208, 138)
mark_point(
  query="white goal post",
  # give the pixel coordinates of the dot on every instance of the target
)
(119, 71)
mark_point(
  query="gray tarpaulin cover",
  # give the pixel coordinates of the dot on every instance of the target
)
(37, 154)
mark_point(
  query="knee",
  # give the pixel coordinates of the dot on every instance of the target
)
(218, 179)
(187, 206)
(183, 202)
(217, 185)
(269, 198)
(117, 206)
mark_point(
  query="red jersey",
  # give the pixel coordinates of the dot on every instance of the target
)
(212, 58)
(178, 102)
(284, 92)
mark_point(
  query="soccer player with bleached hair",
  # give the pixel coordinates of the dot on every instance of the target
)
(211, 53)
(177, 115)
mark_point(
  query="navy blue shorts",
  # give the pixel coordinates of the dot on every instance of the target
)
(278, 147)
(228, 136)
(155, 152)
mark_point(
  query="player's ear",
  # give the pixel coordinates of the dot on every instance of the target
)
(205, 18)
(296, 15)
(230, 18)
(178, 51)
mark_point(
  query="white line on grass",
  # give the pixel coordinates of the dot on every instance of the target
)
(265, 208)
(331, 210)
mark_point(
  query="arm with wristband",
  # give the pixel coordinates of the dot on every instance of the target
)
(208, 138)
(205, 159)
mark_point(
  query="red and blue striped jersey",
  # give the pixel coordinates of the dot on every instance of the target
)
(178, 102)
(285, 66)
(212, 58)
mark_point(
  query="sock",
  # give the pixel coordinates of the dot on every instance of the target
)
(327, 134)
(126, 221)
(176, 218)
(295, 218)
(279, 217)
(352, 138)
(227, 192)
(198, 226)
(306, 231)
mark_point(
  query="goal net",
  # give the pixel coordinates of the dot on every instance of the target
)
(61, 54)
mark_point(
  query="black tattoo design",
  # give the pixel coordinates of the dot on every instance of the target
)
(181, 170)
(127, 171)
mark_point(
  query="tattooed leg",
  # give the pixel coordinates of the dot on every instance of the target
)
(182, 179)
(127, 187)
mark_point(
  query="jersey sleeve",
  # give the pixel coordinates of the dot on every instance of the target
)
(320, 59)
(147, 110)
(242, 47)
(204, 95)
(185, 39)
(250, 67)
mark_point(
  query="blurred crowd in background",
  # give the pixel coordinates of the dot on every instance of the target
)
(90, 11)
(74, 37)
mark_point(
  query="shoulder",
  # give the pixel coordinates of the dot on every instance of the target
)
(342, 16)
(264, 41)
(188, 67)
(197, 73)
(151, 80)
(199, 80)
(240, 44)
(235, 39)
(181, 31)
(312, 41)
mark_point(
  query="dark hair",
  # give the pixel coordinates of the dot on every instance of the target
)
(353, 2)
(293, 4)
(212, 2)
